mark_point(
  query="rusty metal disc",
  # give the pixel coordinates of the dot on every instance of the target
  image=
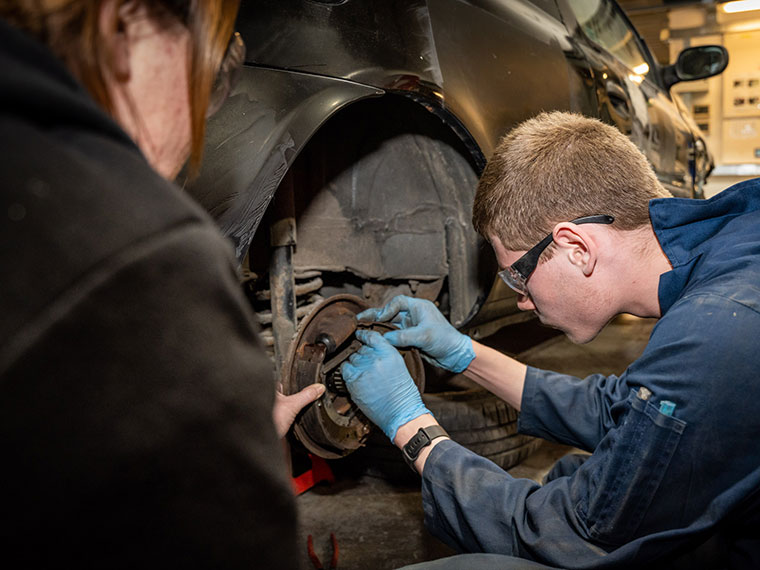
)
(333, 426)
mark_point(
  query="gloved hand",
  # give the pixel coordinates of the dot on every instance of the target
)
(380, 384)
(422, 325)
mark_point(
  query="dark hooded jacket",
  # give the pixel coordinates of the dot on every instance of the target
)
(135, 399)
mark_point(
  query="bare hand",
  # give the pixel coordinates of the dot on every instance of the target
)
(286, 408)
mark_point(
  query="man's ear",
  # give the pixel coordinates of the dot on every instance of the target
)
(579, 247)
(114, 26)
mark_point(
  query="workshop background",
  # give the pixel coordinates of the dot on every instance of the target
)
(727, 106)
(376, 521)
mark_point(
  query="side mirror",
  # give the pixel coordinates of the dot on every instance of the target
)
(696, 63)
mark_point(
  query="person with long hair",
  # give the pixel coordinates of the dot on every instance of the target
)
(136, 408)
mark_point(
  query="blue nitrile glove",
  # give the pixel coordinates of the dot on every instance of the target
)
(422, 325)
(380, 384)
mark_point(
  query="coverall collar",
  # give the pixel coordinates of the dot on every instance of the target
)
(687, 228)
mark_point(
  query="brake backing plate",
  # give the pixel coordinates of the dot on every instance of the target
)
(333, 426)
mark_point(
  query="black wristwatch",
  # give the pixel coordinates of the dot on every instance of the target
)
(420, 440)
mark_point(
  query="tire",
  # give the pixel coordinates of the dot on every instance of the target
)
(474, 418)
(482, 423)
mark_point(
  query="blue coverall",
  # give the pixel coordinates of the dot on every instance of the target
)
(658, 487)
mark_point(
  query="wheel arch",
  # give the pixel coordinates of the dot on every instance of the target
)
(273, 116)
(415, 223)
(252, 141)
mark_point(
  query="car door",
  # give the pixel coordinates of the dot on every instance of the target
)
(629, 90)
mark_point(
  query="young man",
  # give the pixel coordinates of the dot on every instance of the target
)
(583, 231)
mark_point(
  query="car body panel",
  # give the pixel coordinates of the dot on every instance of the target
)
(488, 75)
(636, 102)
(516, 62)
(296, 49)
(479, 66)
(255, 137)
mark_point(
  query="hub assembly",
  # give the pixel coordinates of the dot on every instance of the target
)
(333, 426)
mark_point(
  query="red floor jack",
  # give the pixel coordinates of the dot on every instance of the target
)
(318, 472)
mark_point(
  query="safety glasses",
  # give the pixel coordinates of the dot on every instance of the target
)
(517, 274)
(228, 73)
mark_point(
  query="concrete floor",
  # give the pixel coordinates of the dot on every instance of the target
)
(378, 524)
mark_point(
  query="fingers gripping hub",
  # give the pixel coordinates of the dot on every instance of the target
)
(333, 426)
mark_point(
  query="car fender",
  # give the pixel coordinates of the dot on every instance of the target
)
(512, 58)
(254, 138)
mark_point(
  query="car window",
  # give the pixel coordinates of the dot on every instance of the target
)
(603, 23)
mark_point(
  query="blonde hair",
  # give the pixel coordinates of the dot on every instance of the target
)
(557, 167)
(71, 30)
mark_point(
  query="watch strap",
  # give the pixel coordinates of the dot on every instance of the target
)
(420, 440)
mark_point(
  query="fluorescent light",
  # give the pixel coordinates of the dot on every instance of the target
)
(741, 6)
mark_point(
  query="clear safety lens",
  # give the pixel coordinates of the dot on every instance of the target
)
(512, 277)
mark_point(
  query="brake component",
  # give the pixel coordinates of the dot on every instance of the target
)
(333, 426)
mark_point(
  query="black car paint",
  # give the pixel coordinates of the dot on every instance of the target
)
(255, 137)
(399, 53)
(480, 67)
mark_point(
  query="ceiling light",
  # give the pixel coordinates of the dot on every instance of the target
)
(741, 6)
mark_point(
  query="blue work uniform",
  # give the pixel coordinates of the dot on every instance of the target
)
(662, 484)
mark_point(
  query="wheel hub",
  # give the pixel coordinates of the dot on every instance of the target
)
(333, 426)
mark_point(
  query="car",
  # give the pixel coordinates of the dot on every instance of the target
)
(344, 163)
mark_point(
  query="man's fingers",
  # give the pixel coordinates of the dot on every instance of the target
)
(393, 307)
(359, 361)
(398, 311)
(371, 338)
(400, 337)
(404, 320)
(368, 315)
(348, 371)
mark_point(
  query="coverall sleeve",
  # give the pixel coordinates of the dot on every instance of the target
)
(473, 505)
(659, 477)
(570, 410)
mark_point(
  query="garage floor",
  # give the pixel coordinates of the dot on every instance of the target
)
(378, 524)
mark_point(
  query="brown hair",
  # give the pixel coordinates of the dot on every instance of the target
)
(557, 167)
(70, 29)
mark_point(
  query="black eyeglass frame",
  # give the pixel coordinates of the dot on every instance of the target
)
(516, 275)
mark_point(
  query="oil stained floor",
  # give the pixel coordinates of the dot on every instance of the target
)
(378, 524)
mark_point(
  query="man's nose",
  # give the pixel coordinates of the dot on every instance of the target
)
(525, 303)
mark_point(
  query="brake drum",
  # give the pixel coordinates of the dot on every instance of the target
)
(333, 426)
